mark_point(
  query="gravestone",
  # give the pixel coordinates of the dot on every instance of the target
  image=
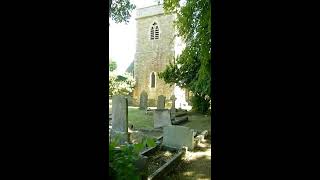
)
(130, 100)
(120, 118)
(173, 107)
(161, 102)
(143, 100)
(178, 136)
(161, 118)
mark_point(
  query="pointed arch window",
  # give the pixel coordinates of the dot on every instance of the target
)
(153, 80)
(152, 34)
(154, 31)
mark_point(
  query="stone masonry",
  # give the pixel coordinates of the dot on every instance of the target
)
(153, 55)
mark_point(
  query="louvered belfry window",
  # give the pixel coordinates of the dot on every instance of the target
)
(154, 32)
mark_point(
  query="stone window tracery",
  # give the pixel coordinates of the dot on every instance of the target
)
(154, 32)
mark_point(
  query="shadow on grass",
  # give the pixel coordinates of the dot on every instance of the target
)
(196, 165)
(182, 123)
(203, 146)
(196, 168)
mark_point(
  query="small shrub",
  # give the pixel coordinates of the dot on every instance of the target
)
(200, 104)
(122, 161)
(121, 84)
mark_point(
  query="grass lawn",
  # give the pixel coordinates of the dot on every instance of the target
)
(198, 122)
(139, 119)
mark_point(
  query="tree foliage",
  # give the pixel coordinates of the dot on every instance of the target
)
(200, 104)
(192, 69)
(120, 84)
(119, 10)
(112, 65)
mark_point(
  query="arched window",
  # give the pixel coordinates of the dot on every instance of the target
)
(154, 32)
(153, 80)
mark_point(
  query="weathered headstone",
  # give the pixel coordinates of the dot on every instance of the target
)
(173, 106)
(178, 136)
(143, 100)
(161, 102)
(161, 118)
(120, 118)
(179, 120)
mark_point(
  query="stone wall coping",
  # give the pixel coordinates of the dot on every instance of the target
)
(149, 11)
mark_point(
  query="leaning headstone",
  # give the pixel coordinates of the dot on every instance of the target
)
(179, 120)
(161, 102)
(161, 118)
(143, 100)
(178, 136)
(120, 118)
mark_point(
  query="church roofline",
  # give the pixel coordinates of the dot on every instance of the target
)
(150, 6)
(148, 16)
(149, 11)
(130, 68)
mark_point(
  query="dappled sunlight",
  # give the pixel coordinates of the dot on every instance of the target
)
(168, 154)
(133, 107)
(193, 175)
(195, 164)
(198, 167)
(203, 145)
(196, 155)
(203, 178)
(188, 173)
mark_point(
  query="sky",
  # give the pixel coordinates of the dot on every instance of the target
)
(122, 38)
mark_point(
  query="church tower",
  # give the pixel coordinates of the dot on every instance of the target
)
(155, 48)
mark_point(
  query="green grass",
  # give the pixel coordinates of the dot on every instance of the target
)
(198, 122)
(139, 119)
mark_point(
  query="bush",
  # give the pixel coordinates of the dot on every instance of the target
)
(200, 104)
(122, 161)
(120, 84)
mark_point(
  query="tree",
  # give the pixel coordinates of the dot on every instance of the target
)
(112, 65)
(119, 10)
(192, 69)
(120, 84)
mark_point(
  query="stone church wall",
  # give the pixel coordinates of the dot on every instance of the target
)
(153, 55)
